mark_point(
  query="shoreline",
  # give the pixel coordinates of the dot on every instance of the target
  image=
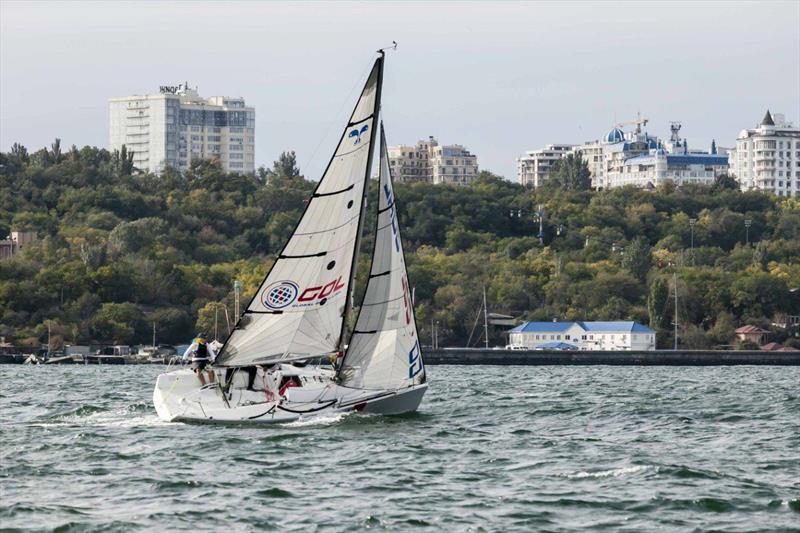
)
(480, 356)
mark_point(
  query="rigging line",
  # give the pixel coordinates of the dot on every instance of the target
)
(335, 119)
(365, 304)
(328, 230)
(354, 150)
(469, 340)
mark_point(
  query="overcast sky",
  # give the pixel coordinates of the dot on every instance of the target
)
(499, 78)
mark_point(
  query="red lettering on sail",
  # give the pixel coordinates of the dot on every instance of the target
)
(406, 300)
(312, 294)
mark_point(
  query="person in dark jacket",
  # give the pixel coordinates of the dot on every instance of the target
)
(202, 354)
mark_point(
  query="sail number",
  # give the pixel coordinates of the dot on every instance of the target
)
(414, 361)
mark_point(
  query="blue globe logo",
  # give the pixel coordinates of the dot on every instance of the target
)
(279, 294)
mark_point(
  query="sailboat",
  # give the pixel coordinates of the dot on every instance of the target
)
(300, 310)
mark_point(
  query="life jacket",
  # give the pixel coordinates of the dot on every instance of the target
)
(201, 353)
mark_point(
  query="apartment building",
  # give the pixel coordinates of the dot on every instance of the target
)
(176, 126)
(767, 157)
(16, 241)
(429, 161)
(534, 166)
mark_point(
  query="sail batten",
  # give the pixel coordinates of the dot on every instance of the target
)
(299, 308)
(384, 351)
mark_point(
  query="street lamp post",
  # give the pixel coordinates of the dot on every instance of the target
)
(540, 216)
(747, 224)
(237, 288)
(692, 222)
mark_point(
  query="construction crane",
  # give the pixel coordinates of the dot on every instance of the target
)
(639, 122)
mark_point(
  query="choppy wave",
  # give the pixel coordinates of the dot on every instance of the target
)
(492, 448)
(615, 472)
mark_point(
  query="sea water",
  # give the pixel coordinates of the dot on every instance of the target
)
(491, 449)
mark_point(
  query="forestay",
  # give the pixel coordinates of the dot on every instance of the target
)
(298, 309)
(384, 351)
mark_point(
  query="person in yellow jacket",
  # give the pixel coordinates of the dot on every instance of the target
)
(202, 354)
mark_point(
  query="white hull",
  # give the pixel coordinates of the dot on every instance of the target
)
(178, 397)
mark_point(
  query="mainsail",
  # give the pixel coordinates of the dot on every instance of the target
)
(299, 308)
(384, 350)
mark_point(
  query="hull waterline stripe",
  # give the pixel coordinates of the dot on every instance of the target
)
(268, 411)
(314, 410)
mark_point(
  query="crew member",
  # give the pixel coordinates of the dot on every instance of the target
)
(202, 354)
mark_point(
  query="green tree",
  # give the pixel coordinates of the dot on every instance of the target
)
(658, 303)
(118, 323)
(636, 258)
(724, 182)
(572, 173)
(283, 167)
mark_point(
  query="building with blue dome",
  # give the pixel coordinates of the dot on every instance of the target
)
(616, 135)
(643, 160)
(635, 158)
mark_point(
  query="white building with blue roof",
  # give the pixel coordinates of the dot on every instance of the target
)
(615, 336)
(642, 160)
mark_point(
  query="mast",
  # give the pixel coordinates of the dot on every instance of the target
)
(485, 320)
(348, 301)
(675, 284)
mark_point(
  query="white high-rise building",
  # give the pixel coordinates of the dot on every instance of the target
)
(767, 158)
(431, 162)
(172, 128)
(534, 166)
